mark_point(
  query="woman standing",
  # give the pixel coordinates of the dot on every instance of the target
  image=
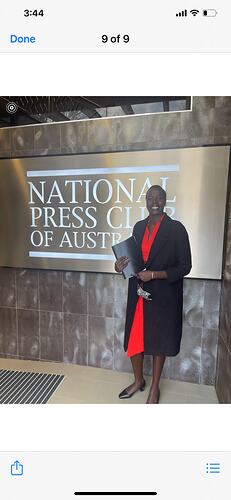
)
(155, 297)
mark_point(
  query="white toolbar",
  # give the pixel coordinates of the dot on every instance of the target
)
(121, 26)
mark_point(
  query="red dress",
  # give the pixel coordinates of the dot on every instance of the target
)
(136, 338)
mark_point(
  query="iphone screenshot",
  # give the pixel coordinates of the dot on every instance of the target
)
(115, 250)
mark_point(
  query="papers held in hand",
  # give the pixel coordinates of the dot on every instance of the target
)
(129, 248)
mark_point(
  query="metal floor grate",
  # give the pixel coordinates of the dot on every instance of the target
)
(18, 387)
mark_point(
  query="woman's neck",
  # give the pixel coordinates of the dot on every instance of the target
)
(153, 219)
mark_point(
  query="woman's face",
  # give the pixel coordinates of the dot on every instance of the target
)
(155, 201)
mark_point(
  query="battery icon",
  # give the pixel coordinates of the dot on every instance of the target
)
(209, 13)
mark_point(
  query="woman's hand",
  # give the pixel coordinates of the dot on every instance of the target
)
(121, 263)
(144, 276)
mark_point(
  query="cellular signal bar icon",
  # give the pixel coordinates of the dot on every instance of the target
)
(182, 13)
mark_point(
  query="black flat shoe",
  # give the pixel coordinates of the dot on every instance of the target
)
(126, 395)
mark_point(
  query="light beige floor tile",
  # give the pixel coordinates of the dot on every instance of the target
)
(184, 388)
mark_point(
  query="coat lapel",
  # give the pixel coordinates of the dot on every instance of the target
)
(160, 239)
(140, 231)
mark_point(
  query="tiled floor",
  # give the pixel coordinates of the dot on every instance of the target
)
(84, 384)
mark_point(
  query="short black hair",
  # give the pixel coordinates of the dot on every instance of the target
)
(160, 189)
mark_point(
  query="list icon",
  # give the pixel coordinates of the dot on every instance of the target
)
(213, 468)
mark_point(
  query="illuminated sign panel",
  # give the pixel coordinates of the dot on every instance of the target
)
(66, 212)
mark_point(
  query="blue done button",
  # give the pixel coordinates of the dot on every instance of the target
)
(22, 39)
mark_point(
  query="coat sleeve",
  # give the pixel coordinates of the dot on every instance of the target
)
(182, 253)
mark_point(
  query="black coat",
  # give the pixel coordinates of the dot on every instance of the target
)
(170, 252)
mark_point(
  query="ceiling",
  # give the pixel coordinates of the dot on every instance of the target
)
(25, 110)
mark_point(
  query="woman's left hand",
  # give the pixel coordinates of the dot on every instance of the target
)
(144, 276)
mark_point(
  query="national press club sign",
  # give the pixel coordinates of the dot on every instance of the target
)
(81, 213)
(66, 212)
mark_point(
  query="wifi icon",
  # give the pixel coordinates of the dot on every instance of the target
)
(194, 12)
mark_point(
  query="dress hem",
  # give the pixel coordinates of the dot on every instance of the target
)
(155, 354)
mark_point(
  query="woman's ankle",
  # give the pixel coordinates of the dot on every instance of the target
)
(139, 381)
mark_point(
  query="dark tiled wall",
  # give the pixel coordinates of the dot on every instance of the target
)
(223, 377)
(79, 317)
